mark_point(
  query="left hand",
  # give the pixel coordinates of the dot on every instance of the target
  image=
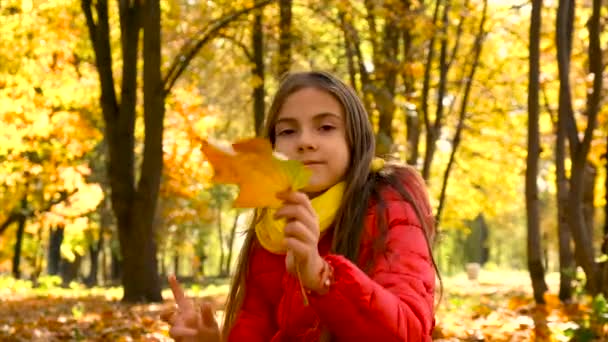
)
(301, 238)
(188, 323)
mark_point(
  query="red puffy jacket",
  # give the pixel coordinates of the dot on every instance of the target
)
(393, 301)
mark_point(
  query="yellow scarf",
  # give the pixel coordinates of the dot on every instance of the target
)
(270, 231)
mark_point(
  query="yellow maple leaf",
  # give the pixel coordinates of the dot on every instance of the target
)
(259, 173)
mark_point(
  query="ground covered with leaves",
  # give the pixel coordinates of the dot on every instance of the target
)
(497, 307)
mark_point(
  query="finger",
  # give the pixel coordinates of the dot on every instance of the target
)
(297, 212)
(299, 249)
(207, 315)
(178, 294)
(171, 318)
(191, 317)
(167, 314)
(182, 331)
(296, 197)
(299, 231)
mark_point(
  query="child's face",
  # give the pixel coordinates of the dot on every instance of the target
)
(311, 128)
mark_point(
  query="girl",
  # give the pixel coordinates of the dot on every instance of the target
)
(367, 276)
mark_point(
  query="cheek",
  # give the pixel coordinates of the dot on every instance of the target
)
(283, 147)
(346, 156)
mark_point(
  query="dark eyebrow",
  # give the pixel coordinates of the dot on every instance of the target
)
(286, 120)
(324, 115)
(317, 117)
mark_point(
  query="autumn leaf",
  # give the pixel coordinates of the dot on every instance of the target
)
(259, 173)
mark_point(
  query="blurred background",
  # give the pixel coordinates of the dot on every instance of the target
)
(501, 106)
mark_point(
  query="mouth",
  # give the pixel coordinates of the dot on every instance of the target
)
(312, 162)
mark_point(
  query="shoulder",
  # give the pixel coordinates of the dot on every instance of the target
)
(401, 195)
(398, 214)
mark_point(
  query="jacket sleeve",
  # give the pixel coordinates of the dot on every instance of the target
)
(395, 302)
(255, 320)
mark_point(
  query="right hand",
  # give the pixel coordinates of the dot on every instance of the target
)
(190, 323)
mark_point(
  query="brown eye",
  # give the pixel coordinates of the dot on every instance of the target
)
(284, 132)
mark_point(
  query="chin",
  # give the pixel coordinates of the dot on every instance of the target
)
(315, 189)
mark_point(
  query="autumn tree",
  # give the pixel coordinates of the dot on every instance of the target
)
(258, 71)
(134, 204)
(535, 265)
(579, 148)
(464, 105)
(44, 137)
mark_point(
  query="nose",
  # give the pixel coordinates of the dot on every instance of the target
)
(307, 141)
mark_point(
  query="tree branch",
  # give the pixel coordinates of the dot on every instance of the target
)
(238, 43)
(427, 74)
(478, 45)
(563, 41)
(595, 69)
(459, 29)
(99, 34)
(193, 46)
(16, 214)
(351, 34)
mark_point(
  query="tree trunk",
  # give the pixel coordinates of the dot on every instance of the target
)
(604, 247)
(430, 137)
(115, 266)
(412, 117)
(220, 235)
(605, 233)
(257, 41)
(104, 265)
(105, 225)
(69, 269)
(176, 263)
(443, 75)
(97, 247)
(351, 36)
(140, 277)
(285, 36)
(589, 197)
(54, 254)
(350, 52)
(19, 241)
(413, 124)
(91, 279)
(566, 257)
(134, 207)
(534, 245)
(387, 62)
(385, 94)
(203, 258)
(545, 244)
(161, 263)
(583, 247)
(579, 149)
(38, 257)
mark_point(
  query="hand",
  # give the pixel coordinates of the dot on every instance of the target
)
(190, 323)
(301, 238)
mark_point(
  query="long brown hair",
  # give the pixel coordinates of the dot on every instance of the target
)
(362, 185)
